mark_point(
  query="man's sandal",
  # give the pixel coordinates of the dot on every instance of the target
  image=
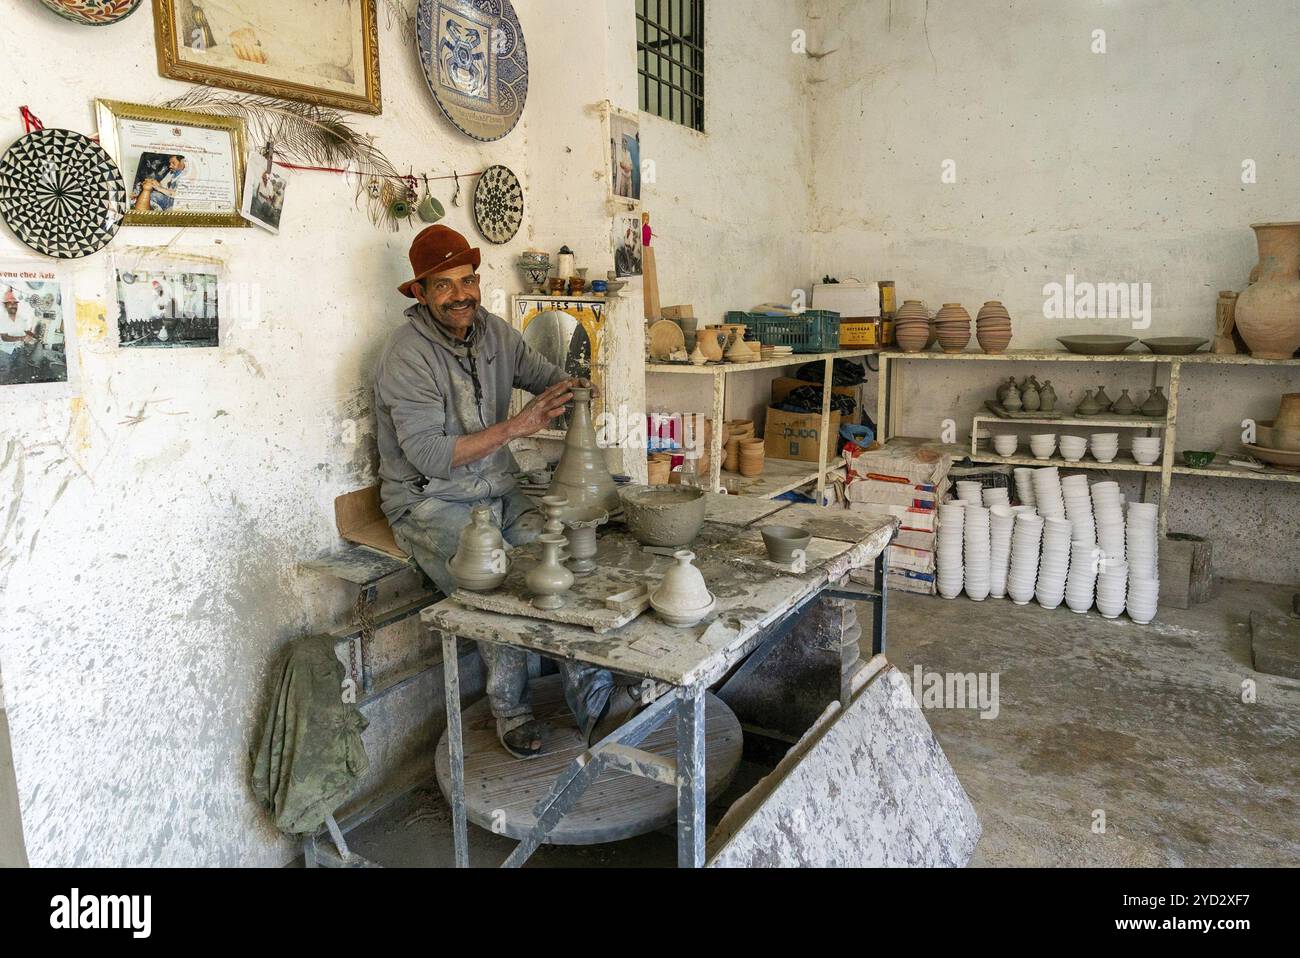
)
(523, 741)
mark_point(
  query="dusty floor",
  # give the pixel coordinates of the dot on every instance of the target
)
(1144, 724)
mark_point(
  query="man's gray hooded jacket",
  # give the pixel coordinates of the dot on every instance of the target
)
(430, 389)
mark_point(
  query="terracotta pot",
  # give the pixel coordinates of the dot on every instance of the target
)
(953, 325)
(659, 470)
(1268, 313)
(710, 342)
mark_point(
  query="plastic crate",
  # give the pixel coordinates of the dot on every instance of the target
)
(812, 331)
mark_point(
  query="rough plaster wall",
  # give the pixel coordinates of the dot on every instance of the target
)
(730, 206)
(152, 525)
(1122, 167)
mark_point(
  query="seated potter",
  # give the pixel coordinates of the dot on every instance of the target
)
(442, 401)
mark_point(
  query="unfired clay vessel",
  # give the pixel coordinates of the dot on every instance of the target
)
(549, 579)
(682, 598)
(663, 516)
(783, 541)
(582, 475)
(1124, 405)
(582, 543)
(1268, 312)
(480, 563)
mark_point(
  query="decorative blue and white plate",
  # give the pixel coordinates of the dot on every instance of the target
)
(475, 62)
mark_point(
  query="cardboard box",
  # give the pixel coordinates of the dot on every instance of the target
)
(912, 560)
(918, 583)
(360, 520)
(784, 385)
(797, 436)
(911, 539)
(891, 494)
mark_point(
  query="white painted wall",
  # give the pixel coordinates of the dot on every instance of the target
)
(1117, 167)
(151, 527)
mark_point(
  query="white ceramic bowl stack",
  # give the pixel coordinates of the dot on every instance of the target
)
(1112, 588)
(1006, 444)
(1053, 563)
(1143, 562)
(1108, 512)
(1025, 486)
(1147, 450)
(972, 492)
(1043, 445)
(1002, 521)
(1081, 585)
(1073, 447)
(1104, 446)
(1026, 538)
(948, 545)
(1078, 508)
(1048, 497)
(976, 553)
(996, 496)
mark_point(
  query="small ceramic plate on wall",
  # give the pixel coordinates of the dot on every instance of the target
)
(475, 63)
(93, 13)
(498, 204)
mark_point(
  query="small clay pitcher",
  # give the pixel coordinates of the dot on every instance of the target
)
(1012, 402)
(549, 579)
(1031, 398)
(1048, 397)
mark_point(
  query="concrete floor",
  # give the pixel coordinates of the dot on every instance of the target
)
(1143, 723)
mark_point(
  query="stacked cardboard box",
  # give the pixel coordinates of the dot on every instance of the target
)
(908, 483)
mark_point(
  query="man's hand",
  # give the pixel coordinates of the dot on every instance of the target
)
(581, 383)
(537, 415)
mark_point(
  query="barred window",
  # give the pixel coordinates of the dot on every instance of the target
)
(670, 59)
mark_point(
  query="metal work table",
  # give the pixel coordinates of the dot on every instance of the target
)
(758, 603)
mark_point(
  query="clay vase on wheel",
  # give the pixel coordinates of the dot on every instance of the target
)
(1268, 312)
(582, 475)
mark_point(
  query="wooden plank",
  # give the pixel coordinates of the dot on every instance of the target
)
(358, 564)
(828, 441)
(502, 792)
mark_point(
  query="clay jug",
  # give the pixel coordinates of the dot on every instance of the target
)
(1005, 388)
(710, 342)
(480, 563)
(1031, 398)
(1048, 396)
(582, 475)
(1268, 313)
(549, 580)
(1012, 402)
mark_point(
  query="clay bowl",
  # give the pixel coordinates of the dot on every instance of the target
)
(1096, 345)
(1197, 459)
(664, 516)
(1274, 457)
(782, 541)
(1273, 436)
(1174, 345)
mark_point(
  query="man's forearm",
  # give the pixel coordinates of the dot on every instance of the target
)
(480, 445)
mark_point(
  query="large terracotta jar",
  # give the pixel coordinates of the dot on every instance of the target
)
(1268, 313)
(581, 474)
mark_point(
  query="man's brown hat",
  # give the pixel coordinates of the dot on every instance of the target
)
(436, 250)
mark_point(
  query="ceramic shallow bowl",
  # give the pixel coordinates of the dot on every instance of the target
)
(1277, 437)
(1174, 345)
(1275, 457)
(1197, 459)
(1096, 345)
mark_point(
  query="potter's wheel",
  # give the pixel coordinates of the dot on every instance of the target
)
(616, 806)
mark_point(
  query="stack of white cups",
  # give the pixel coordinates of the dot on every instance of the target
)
(1047, 492)
(1026, 538)
(1054, 562)
(1143, 562)
(997, 496)
(948, 545)
(1025, 486)
(1112, 588)
(976, 553)
(1001, 522)
(968, 491)
(1080, 587)
(1078, 508)
(1108, 511)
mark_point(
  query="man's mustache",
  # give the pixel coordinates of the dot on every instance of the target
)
(462, 304)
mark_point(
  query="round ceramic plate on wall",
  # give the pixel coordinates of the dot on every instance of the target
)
(61, 193)
(498, 204)
(93, 13)
(475, 62)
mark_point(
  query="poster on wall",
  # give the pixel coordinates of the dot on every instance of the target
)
(324, 52)
(182, 168)
(37, 347)
(168, 306)
(627, 245)
(625, 156)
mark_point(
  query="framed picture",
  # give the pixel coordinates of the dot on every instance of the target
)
(625, 157)
(181, 168)
(37, 334)
(324, 52)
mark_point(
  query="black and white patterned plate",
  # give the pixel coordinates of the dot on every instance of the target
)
(61, 193)
(498, 204)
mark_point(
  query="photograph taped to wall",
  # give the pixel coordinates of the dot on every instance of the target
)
(264, 189)
(184, 168)
(625, 156)
(627, 245)
(37, 342)
(172, 307)
(318, 51)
